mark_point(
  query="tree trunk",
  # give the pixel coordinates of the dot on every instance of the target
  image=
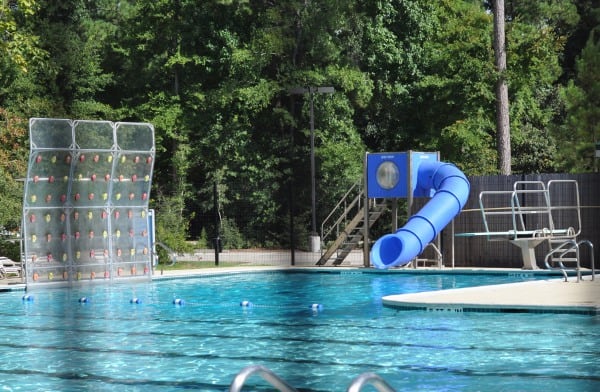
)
(502, 118)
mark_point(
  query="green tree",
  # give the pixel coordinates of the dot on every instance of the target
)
(536, 36)
(455, 96)
(18, 44)
(582, 98)
(13, 165)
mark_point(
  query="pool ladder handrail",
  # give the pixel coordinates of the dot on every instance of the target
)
(569, 247)
(355, 386)
(370, 378)
(240, 379)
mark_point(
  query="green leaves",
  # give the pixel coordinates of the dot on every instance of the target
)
(214, 76)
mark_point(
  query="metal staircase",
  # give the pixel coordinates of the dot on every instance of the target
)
(345, 224)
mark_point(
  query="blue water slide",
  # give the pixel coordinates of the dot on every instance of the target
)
(451, 188)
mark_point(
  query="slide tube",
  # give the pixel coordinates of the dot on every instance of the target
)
(451, 188)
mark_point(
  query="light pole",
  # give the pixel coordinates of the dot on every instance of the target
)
(314, 240)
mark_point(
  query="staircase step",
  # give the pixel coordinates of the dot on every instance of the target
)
(353, 234)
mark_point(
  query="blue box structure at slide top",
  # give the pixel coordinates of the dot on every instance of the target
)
(450, 189)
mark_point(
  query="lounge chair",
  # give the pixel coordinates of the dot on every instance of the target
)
(9, 267)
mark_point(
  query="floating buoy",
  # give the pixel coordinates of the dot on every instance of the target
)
(84, 300)
(316, 307)
(27, 298)
(135, 301)
(178, 301)
(245, 304)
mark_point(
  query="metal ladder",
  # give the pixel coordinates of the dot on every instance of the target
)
(568, 252)
(346, 222)
(355, 386)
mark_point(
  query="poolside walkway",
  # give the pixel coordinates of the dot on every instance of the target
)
(548, 296)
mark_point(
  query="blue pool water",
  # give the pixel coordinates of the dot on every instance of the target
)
(56, 343)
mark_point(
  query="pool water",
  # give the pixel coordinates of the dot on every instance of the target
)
(57, 343)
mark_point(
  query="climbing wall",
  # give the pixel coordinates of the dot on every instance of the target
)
(85, 207)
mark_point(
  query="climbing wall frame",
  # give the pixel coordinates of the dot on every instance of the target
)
(85, 206)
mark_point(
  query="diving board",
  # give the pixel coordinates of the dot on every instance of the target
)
(526, 217)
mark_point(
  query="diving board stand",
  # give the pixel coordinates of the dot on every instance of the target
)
(526, 217)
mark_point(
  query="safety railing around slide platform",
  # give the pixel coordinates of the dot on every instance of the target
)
(345, 209)
(275, 381)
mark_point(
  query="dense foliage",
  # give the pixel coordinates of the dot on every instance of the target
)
(214, 77)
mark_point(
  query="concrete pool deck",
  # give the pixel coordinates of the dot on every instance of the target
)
(552, 295)
(540, 296)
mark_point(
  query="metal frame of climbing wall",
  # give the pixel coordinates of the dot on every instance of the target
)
(85, 206)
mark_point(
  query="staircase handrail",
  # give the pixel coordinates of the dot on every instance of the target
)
(344, 214)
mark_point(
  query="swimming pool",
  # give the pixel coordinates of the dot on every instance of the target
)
(57, 343)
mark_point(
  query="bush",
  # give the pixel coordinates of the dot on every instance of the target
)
(10, 249)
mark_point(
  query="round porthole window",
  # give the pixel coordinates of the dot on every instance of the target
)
(388, 175)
